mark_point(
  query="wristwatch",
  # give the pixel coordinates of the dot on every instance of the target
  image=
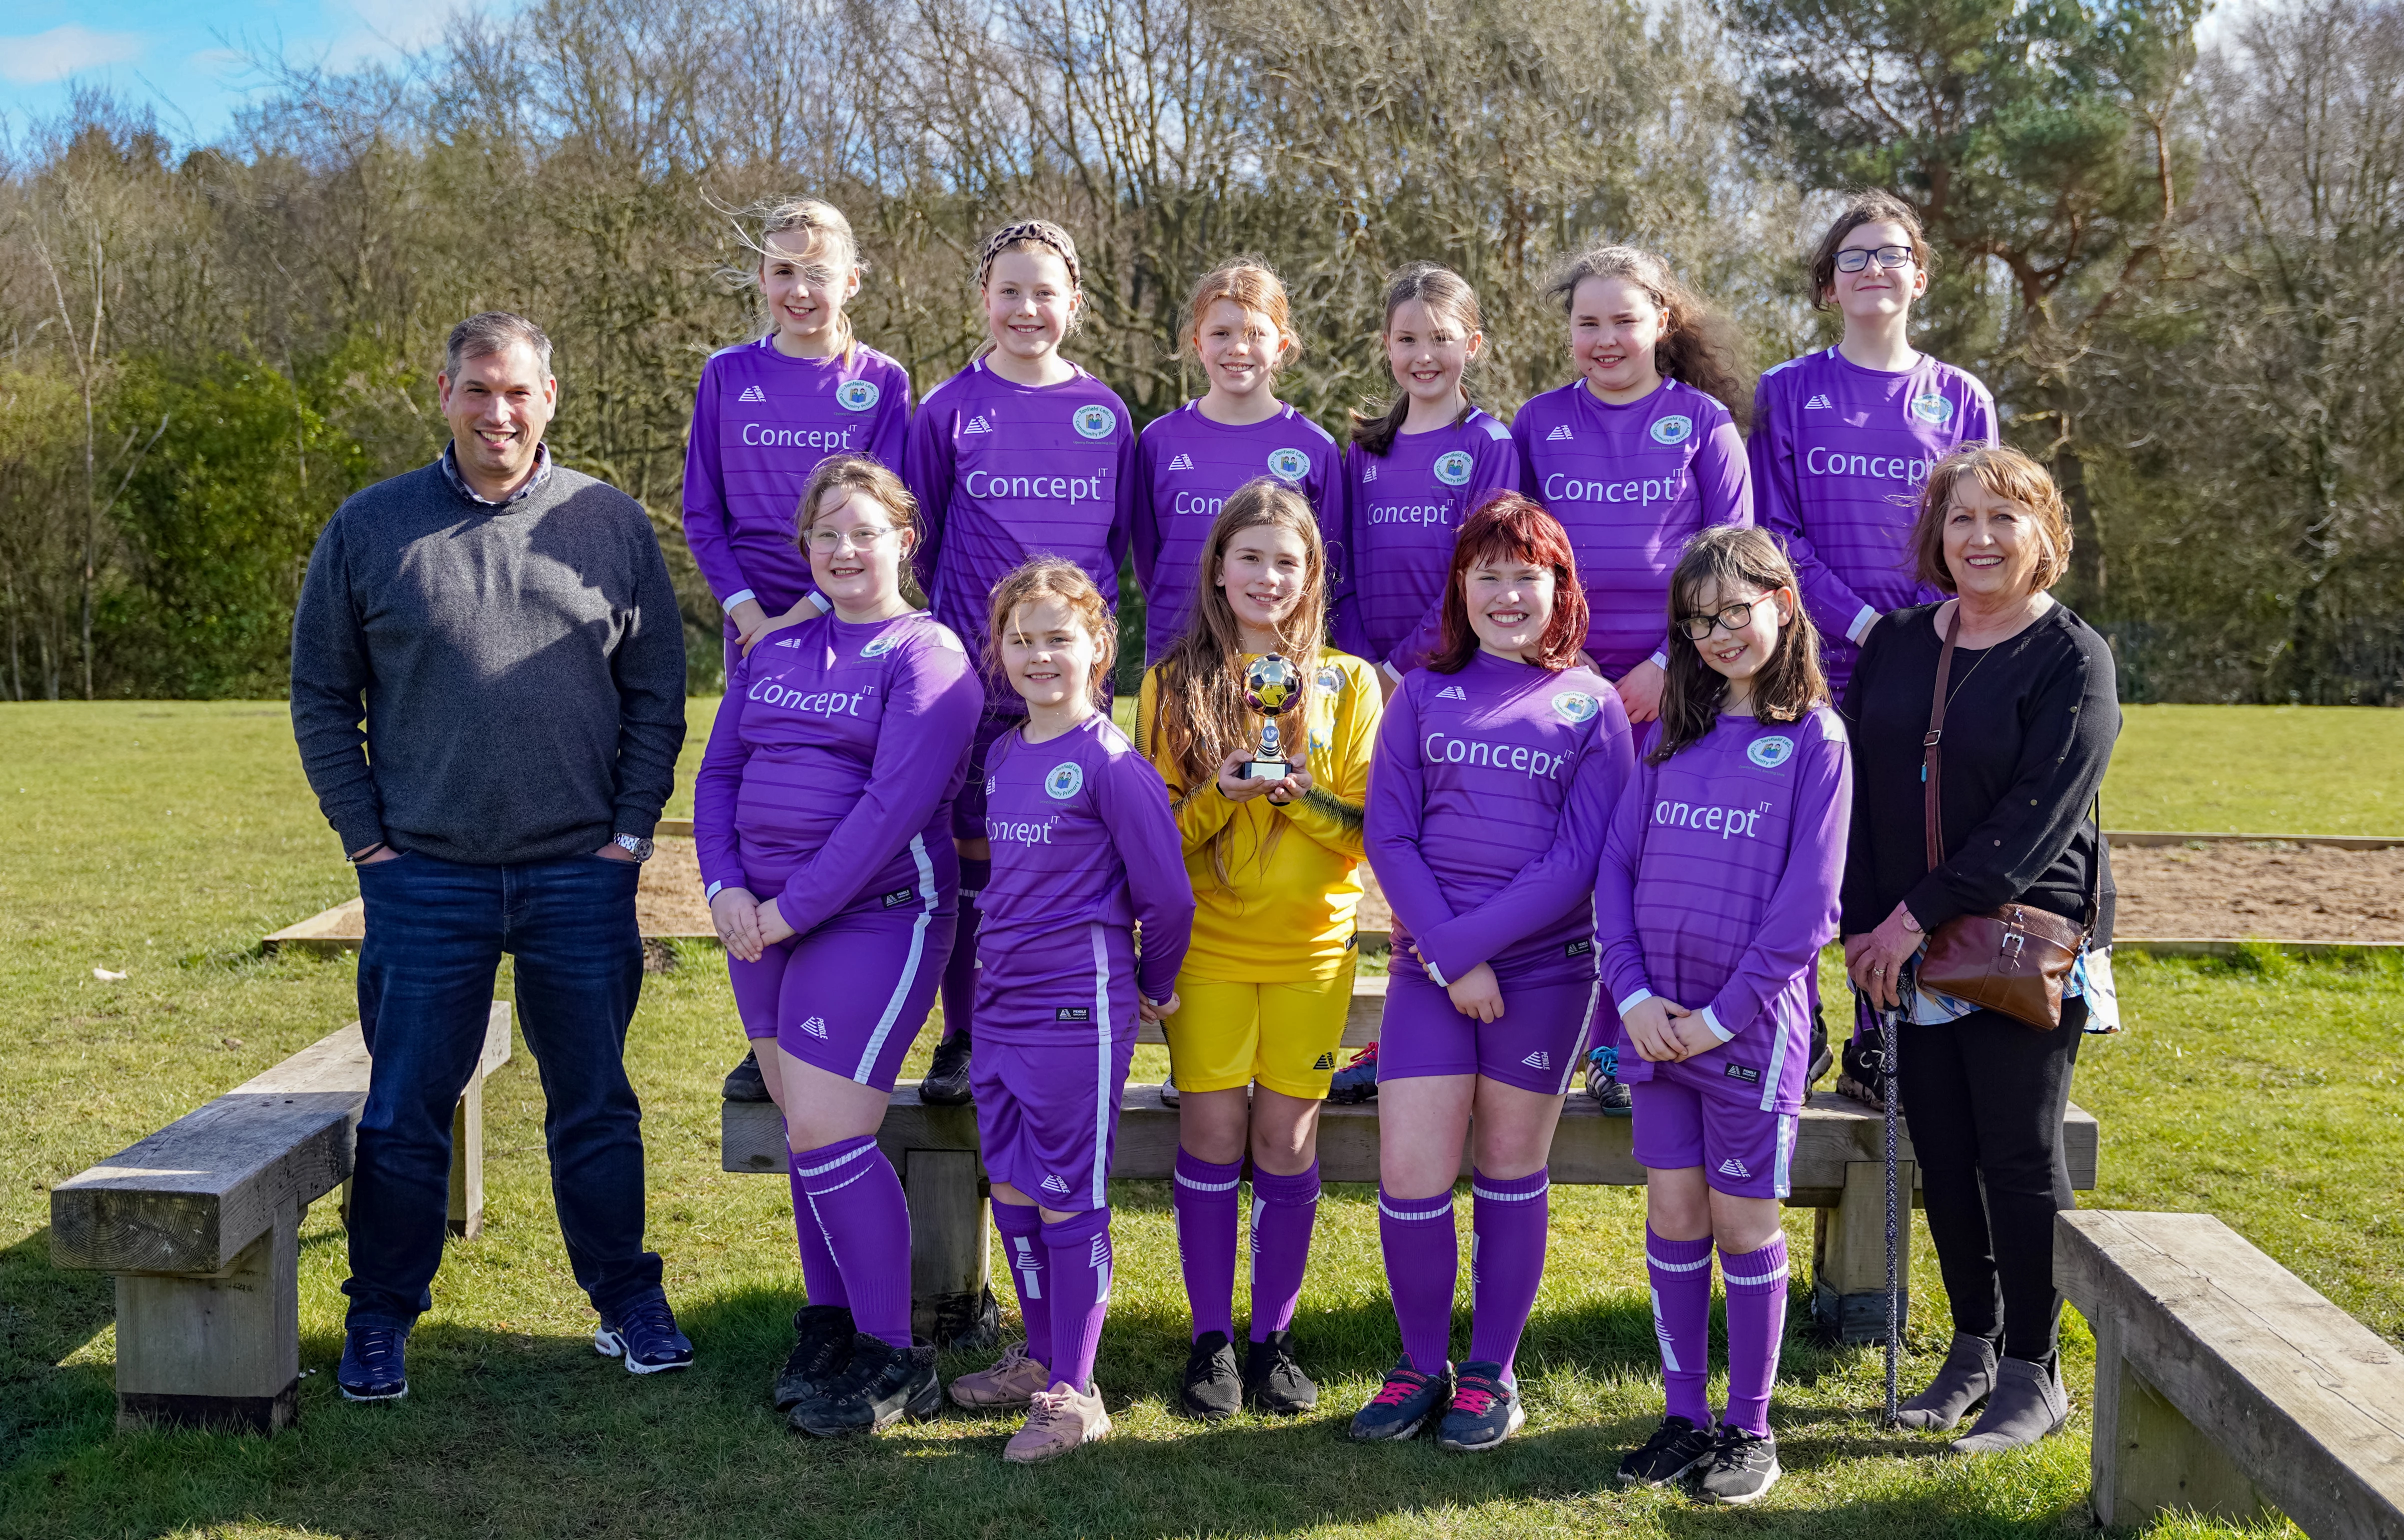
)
(634, 845)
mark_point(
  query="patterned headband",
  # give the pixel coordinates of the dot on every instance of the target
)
(1043, 231)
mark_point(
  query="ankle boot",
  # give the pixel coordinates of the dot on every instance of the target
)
(2028, 1404)
(1968, 1379)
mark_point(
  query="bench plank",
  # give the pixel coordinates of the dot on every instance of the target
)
(2305, 1400)
(192, 1197)
(1589, 1149)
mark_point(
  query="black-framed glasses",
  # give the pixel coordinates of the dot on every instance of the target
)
(1854, 259)
(1697, 628)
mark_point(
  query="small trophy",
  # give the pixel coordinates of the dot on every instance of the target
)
(1272, 686)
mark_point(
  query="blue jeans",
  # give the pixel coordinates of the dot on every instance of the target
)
(435, 934)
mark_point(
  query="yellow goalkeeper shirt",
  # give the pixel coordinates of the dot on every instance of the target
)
(1285, 909)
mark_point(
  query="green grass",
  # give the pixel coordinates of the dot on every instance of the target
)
(2258, 769)
(162, 840)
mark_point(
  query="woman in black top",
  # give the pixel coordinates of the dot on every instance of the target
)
(2029, 724)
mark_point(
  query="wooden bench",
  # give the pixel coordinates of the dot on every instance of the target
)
(201, 1225)
(1839, 1168)
(2224, 1384)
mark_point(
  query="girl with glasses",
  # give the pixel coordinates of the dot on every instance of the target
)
(1717, 890)
(822, 814)
(1842, 439)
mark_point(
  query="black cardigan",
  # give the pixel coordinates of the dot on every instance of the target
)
(2028, 734)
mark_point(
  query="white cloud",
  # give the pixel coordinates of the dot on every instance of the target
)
(62, 51)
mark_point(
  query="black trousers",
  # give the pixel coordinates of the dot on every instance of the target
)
(1985, 1096)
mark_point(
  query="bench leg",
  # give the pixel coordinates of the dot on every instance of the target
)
(467, 1162)
(951, 1262)
(1848, 1255)
(217, 1352)
(2148, 1459)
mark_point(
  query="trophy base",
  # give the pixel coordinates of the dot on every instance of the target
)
(1266, 769)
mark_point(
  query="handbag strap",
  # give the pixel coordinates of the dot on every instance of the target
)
(1932, 767)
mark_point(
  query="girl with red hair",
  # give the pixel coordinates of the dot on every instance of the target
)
(1494, 759)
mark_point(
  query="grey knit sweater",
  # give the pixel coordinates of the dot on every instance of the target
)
(520, 667)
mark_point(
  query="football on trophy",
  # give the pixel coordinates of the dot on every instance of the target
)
(1272, 685)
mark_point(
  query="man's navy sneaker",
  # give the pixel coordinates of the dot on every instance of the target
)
(375, 1365)
(1357, 1081)
(645, 1334)
(1602, 1083)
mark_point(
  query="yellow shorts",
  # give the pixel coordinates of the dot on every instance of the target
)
(1284, 1035)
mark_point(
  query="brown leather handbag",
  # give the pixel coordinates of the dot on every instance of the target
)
(2015, 959)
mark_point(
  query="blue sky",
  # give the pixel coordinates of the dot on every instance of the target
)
(186, 57)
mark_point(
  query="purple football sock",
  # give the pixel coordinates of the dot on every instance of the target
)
(960, 971)
(1680, 1273)
(1506, 1260)
(1081, 1292)
(1022, 1242)
(1284, 1208)
(1422, 1269)
(1205, 1241)
(858, 1200)
(1755, 1281)
(819, 1275)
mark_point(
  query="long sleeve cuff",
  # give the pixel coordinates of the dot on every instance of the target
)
(635, 818)
(735, 598)
(1712, 1021)
(1633, 1001)
(359, 832)
(1435, 973)
(1861, 625)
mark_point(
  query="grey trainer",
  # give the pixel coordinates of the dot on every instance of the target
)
(2028, 1404)
(1968, 1379)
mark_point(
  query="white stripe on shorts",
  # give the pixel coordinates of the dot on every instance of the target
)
(928, 898)
(1576, 1055)
(1101, 1063)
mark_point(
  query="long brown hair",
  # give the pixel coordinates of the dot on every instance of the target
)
(848, 473)
(1444, 293)
(1724, 558)
(1699, 347)
(1199, 716)
(1509, 527)
(1041, 578)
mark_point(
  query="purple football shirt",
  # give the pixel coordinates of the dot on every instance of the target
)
(832, 766)
(1717, 890)
(761, 422)
(1406, 507)
(1632, 484)
(1479, 777)
(1187, 464)
(1839, 454)
(1004, 472)
(1081, 835)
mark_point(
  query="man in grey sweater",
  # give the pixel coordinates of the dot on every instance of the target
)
(488, 692)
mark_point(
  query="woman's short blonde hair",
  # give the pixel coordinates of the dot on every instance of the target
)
(2008, 474)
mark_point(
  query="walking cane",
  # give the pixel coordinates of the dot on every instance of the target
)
(1888, 1022)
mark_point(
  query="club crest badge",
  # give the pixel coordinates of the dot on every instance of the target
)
(857, 395)
(1576, 706)
(879, 646)
(1331, 681)
(1289, 463)
(1770, 752)
(1929, 406)
(1673, 430)
(1095, 422)
(1066, 780)
(1453, 469)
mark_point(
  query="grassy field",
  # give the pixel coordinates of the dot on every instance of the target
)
(162, 840)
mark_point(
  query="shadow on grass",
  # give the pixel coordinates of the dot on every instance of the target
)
(46, 1315)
